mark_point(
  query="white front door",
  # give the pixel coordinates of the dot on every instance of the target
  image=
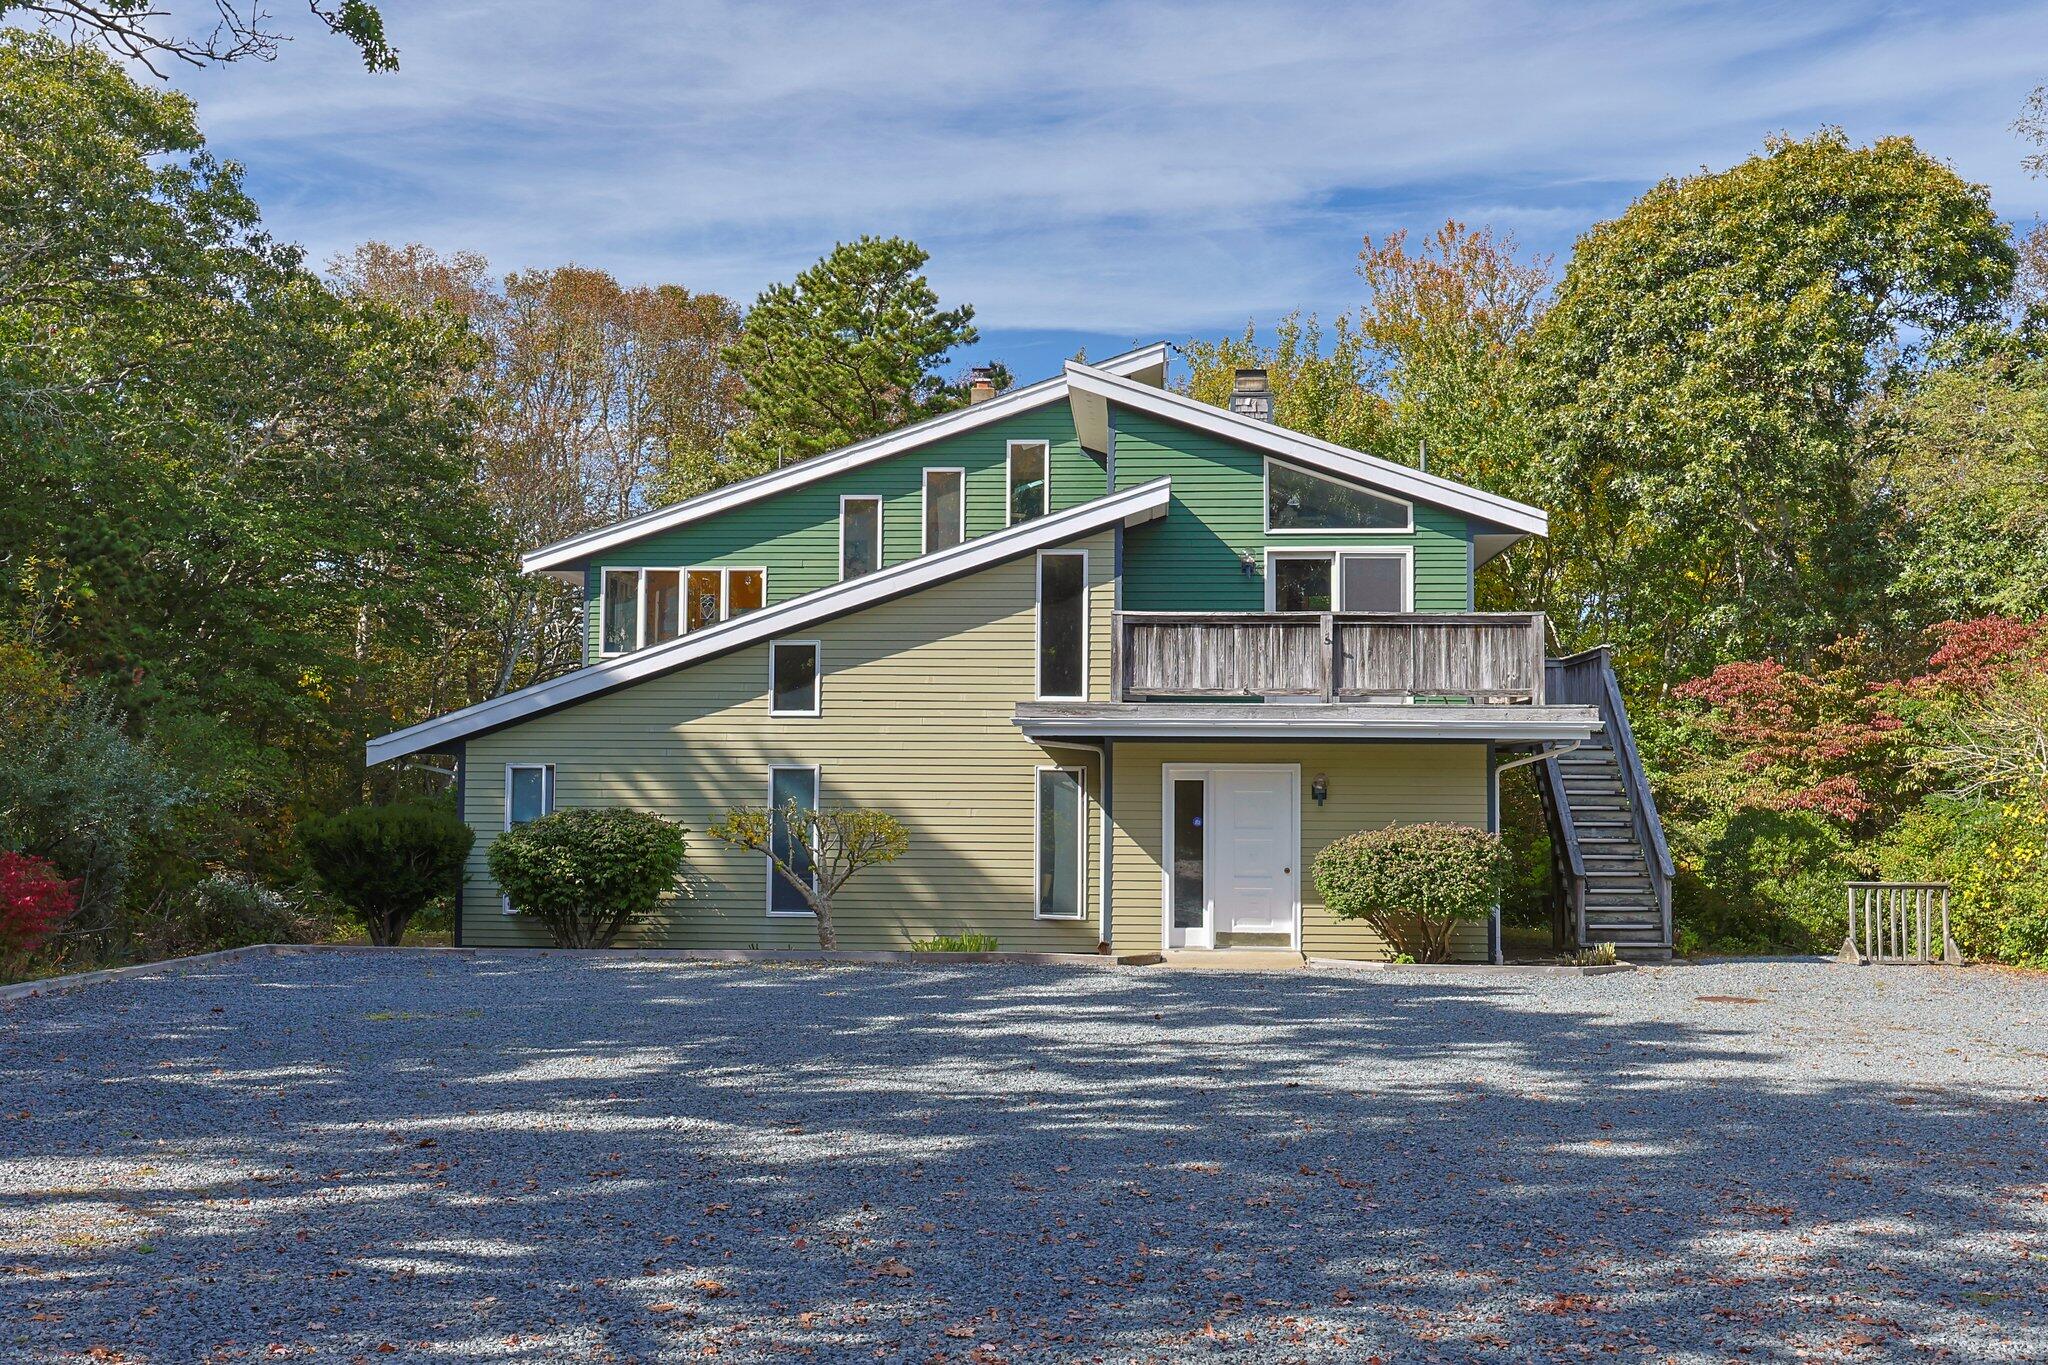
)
(1234, 840)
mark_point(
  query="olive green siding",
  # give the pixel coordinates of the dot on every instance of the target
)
(1370, 785)
(917, 696)
(794, 535)
(1191, 560)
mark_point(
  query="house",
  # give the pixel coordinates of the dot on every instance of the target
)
(1121, 661)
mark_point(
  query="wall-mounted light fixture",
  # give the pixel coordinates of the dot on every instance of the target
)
(1248, 566)
(1320, 788)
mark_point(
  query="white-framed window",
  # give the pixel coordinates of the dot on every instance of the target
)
(945, 509)
(529, 794)
(649, 606)
(1341, 579)
(714, 593)
(795, 678)
(1062, 625)
(1061, 836)
(1301, 502)
(787, 784)
(860, 535)
(1027, 477)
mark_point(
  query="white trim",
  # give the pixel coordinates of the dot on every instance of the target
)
(1053, 722)
(1266, 505)
(924, 506)
(1129, 507)
(1146, 364)
(1010, 484)
(1333, 553)
(1168, 772)
(1038, 844)
(768, 863)
(1100, 384)
(547, 798)
(817, 679)
(1038, 625)
(880, 542)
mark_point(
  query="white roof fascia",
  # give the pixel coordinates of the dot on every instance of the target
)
(1132, 366)
(1091, 382)
(1165, 720)
(1128, 507)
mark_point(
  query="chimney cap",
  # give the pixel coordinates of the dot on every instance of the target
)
(981, 384)
(1249, 379)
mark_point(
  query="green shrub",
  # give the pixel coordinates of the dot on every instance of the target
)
(1752, 880)
(229, 910)
(588, 875)
(1414, 883)
(1995, 857)
(955, 943)
(386, 864)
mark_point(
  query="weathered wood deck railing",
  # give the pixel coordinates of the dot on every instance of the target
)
(1331, 656)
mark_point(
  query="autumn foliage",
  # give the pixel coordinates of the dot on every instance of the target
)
(34, 903)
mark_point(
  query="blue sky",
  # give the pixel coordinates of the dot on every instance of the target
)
(1087, 174)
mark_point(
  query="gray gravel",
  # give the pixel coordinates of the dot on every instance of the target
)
(338, 1157)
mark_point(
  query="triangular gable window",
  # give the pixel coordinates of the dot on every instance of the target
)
(1297, 500)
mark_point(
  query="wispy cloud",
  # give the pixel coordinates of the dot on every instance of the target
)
(1121, 169)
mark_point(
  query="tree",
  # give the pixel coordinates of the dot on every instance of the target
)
(588, 874)
(1330, 394)
(246, 505)
(1696, 389)
(837, 844)
(1414, 884)
(852, 348)
(589, 397)
(386, 864)
(241, 29)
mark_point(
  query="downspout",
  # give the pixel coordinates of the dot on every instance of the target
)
(1493, 816)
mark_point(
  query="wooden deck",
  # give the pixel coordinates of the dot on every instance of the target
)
(1331, 656)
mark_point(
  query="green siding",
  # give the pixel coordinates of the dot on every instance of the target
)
(795, 535)
(1190, 559)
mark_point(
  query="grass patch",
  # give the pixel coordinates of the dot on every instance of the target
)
(955, 943)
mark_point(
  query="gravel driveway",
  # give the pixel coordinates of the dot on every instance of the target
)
(338, 1157)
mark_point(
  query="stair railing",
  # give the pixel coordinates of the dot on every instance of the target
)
(1568, 859)
(1587, 679)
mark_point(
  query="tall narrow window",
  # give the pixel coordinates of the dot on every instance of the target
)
(1063, 624)
(945, 508)
(529, 794)
(787, 786)
(1060, 843)
(793, 678)
(664, 605)
(1297, 500)
(1190, 891)
(621, 611)
(1030, 480)
(860, 536)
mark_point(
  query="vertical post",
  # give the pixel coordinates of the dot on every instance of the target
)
(1329, 629)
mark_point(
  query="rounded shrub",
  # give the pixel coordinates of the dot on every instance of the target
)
(588, 875)
(1414, 883)
(386, 864)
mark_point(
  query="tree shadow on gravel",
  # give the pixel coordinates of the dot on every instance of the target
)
(553, 1160)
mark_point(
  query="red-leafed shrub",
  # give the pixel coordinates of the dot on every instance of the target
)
(34, 903)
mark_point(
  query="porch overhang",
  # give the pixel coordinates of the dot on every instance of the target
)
(1478, 723)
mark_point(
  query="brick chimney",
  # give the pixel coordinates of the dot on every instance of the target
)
(1251, 396)
(981, 385)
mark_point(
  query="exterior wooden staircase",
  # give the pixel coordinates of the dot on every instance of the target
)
(1611, 869)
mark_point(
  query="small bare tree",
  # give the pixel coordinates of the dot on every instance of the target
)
(838, 842)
